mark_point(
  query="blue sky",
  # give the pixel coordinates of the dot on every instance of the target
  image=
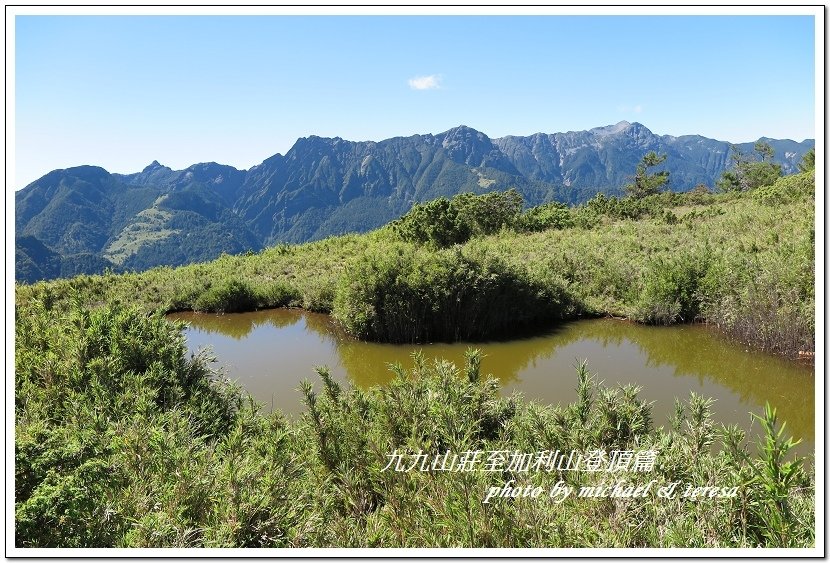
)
(122, 91)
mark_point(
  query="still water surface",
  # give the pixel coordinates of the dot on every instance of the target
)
(270, 352)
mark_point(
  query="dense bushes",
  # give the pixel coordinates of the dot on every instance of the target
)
(444, 222)
(436, 409)
(671, 290)
(786, 189)
(236, 296)
(403, 294)
(232, 296)
(88, 386)
(546, 216)
(601, 206)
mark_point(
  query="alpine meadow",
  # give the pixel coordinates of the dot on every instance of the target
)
(328, 320)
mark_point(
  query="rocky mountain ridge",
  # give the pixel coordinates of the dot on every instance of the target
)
(329, 186)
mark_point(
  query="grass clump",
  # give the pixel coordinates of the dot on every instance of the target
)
(770, 515)
(232, 296)
(671, 289)
(406, 294)
(236, 296)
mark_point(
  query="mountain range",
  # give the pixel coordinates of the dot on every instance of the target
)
(85, 219)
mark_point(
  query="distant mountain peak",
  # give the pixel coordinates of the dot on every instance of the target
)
(153, 166)
(462, 130)
(462, 134)
(206, 166)
(612, 129)
(312, 142)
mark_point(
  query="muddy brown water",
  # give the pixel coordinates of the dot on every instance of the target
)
(270, 352)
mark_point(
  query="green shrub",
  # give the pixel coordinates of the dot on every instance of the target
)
(318, 295)
(443, 222)
(278, 294)
(69, 508)
(548, 216)
(232, 296)
(766, 509)
(786, 189)
(406, 295)
(83, 380)
(670, 290)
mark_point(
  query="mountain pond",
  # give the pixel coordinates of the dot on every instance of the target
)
(270, 352)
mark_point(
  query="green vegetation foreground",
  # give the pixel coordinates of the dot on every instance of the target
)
(121, 440)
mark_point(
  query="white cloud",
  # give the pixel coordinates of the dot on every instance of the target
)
(431, 82)
(630, 109)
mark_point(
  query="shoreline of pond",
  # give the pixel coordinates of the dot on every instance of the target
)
(802, 358)
(295, 340)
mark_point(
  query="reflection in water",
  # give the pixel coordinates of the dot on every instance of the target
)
(270, 352)
(237, 326)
